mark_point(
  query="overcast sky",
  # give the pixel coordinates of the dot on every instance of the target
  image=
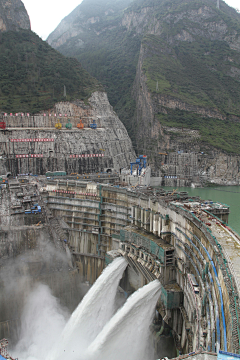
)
(45, 15)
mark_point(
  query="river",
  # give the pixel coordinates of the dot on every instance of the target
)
(229, 195)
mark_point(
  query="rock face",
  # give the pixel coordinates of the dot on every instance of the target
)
(86, 18)
(186, 79)
(93, 33)
(189, 158)
(13, 16)
(34, 145)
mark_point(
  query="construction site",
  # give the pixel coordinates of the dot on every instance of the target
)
(74, 196)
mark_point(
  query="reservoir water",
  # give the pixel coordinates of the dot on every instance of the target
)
(229, 195)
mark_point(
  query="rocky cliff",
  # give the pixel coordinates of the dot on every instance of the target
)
(93, 33)
(186, 63)
(90, 19)
(185, 93)
(13, 16)
(32, 144)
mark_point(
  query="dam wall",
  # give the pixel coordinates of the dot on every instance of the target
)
(85, 225)
(33, 253)
(179, 242)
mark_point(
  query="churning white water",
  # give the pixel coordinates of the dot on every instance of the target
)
(92, 332)
(93, 312)
(42, 322)
(126, 335)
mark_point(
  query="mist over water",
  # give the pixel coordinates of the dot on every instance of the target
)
(41, 324)
(94, 311)
(93, 331)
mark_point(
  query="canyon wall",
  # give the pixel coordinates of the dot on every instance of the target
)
(13, 15)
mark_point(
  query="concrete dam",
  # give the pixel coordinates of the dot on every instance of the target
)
(184, 243)
(62, 231)
(178, 241)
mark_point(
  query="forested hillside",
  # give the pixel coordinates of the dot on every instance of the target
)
(93, 34)
(33, 74)
(162, 63)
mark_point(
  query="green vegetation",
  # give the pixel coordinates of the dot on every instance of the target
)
(222, 134)
(115, 67)
(197, 73)
(111, 56)
(33, 75)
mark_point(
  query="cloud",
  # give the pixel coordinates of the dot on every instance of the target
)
(45, 15)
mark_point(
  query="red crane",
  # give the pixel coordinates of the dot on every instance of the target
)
(2, 125)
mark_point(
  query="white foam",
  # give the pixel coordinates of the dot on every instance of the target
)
(126, 335)
(94, 311)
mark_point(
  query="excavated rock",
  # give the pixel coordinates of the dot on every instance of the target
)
(71, 150)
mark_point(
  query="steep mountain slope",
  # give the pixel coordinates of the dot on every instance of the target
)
(187, 73)
(32, 73)
(94, 35)
(13, 15)
(34, 77)
(189, 69)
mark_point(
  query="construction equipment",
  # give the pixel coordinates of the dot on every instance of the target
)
(36, 209)
(58, 125)
(141, 163)
(173, 192)
(80, 125)
(2, 125)
(93, 125)
(68, 125)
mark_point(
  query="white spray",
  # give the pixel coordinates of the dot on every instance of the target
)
(42, 321)
(92, 332)
(94, 311)
(126, 335)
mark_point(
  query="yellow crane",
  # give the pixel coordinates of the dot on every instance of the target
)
(58, 125)
(173, 192)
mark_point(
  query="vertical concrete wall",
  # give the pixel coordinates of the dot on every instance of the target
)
(90, 267)
(194, 247)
